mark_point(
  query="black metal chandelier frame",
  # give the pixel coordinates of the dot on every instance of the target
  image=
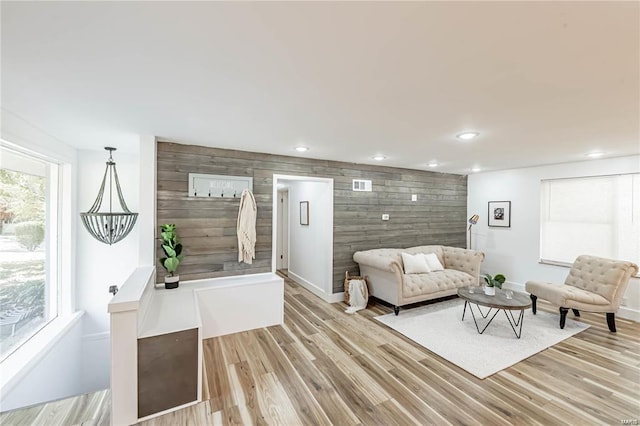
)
(109, 227)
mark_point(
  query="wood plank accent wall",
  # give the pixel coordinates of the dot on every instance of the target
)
(207, 227)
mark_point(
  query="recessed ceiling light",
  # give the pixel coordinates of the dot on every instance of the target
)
(475, 169)
(302, 148)
(467, 135)
(595, 154)
(433, 164)
(379, 157)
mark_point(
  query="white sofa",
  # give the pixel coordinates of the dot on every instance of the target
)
(388, 281)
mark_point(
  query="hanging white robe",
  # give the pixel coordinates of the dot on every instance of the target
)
(246, 228)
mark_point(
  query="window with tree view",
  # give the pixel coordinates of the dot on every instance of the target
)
(28, 272)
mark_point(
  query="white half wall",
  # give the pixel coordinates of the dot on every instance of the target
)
(235, 304)
(515, 251)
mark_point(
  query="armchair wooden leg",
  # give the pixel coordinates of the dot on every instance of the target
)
(563, 316)
(396, 310)
(576, 312)
(534, 298)
(611, 321)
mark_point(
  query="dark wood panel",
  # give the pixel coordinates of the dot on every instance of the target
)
(167, 371)
(208, 226)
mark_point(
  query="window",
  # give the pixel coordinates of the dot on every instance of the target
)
(29, 291)
(592, 215)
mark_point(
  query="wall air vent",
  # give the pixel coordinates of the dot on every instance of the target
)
(361, 185)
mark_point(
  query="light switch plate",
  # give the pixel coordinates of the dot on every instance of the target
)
(414, 197)
(385, 217)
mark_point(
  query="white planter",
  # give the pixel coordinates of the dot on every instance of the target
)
(171, 281)
(490, 291)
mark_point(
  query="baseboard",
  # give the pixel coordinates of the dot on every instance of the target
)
(330, 298)
(624, 311)
(629, 314)
(336, 297)
(514, 286)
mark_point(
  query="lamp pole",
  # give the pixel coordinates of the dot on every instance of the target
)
(472, 221)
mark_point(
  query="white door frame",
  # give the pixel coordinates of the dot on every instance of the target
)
(282, 255)
(327, 287)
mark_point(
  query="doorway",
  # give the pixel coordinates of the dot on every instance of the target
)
(303, 231)
(282, 252)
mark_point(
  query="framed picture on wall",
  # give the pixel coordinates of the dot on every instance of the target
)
(304, 212)
(500, 214)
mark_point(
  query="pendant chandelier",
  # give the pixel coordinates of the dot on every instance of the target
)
(109, 227)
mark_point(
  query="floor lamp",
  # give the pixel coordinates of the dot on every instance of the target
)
(472, 221)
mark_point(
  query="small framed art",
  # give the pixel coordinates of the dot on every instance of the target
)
(500, 214)
(304, 212)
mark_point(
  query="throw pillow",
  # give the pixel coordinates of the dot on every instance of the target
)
(414, 264)
(433, 262)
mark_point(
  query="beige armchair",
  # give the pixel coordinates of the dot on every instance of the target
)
(594, 284)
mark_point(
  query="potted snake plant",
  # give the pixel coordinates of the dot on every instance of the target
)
(172, 249)
(492, 283)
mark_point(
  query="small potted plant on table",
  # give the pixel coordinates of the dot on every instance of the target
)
(173, 252)
(492, 283)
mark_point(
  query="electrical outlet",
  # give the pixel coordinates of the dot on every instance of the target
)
(385, 217)
(414, 197)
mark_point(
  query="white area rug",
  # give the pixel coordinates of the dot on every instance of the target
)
(439, 328)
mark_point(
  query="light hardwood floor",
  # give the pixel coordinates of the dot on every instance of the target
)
(327, 367)
(323, 366)
(92, 409)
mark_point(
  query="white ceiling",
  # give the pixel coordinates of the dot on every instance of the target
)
(543, 82)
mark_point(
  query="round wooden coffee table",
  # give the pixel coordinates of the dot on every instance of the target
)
(499, 302)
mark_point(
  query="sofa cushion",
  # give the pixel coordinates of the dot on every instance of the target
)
(464, 260)
(432, 262)
(437, 250)
(598, 275)
(414, 263)
(432, 282)
(563, 294)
